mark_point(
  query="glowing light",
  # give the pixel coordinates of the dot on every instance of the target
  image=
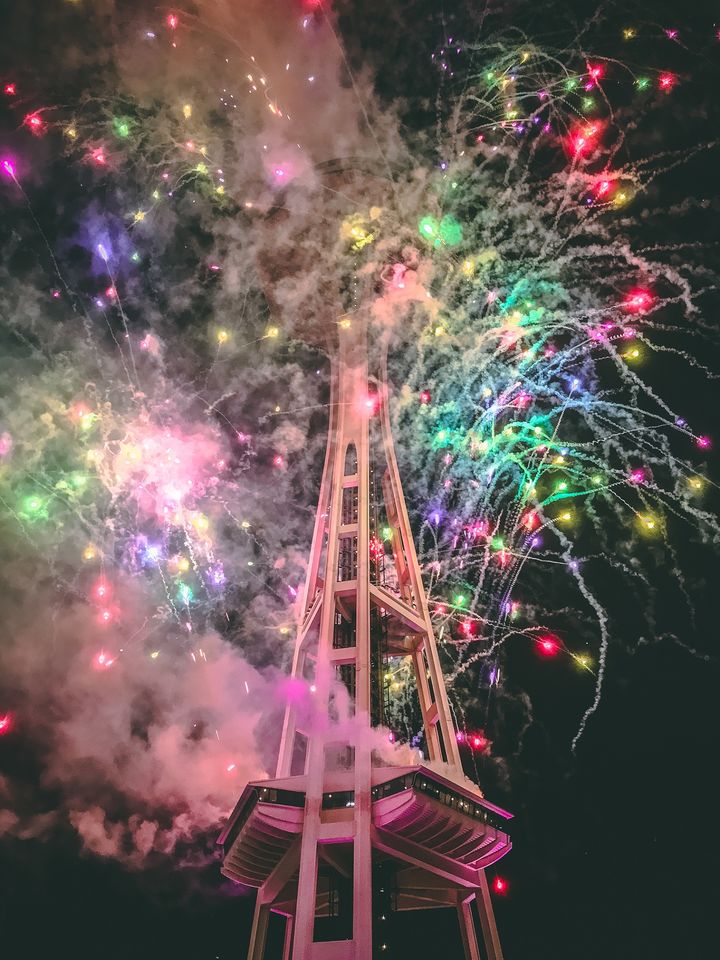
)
(548, 646)
(5, 723)
(185, 593)
(500, 885)
(138, 217)
(372, 404)
(8, 168)
(222, 336)
(451, 231)
(172, 21)
(33, 506)
(596, 71)
(428, 227)
(201, 523)
(187, 110)
(638, 300)
(704, 443)
(89, 553)
(278, 460)
(272, 333)
(10, 89)
(101, 590)
(583, 661)
(629, 33)
(648, 524)
(666, 82)
(121, 127)
(103, 661)
(425, 397)
(478, 742)
(35, 123)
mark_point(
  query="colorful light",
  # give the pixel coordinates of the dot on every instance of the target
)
(5, 723)
(500, 885)
(548, 645)
(103, 661)
(35, 123)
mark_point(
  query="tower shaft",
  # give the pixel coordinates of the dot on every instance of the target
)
(339, 810)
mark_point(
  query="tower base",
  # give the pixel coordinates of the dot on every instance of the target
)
(431, 836)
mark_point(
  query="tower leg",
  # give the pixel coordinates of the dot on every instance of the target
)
(362, 857)
(287, 942)
(487, 921)
(258, 935)
(467, 926)
(307, 882)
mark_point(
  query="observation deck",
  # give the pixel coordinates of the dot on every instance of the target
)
(441, 833)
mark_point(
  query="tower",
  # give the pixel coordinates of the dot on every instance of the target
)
(342, 832)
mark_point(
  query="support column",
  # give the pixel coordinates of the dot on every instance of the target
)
(467, 926)
(258, 935)
(487, 920)
(362, 856)
(287, 942)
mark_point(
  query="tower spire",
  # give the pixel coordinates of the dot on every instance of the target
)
(341, 822)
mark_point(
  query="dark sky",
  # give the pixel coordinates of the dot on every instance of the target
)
(615, 847)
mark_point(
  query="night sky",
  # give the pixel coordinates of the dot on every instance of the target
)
(615, 850)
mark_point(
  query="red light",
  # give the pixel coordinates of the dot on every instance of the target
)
(35, 123)
(425, 397)
(704, 443)
(98, 157)
(548, 646)
(278, 461)
(531, 520)
(603, 188)
(103, 661)
(111, 293)
(478, 742)
(5, 723)
(500, 885)
(638, 300)
(596, 71)
(667, 81)
(172, 21)
(101, 590)
(9, 89)
(584, 137)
